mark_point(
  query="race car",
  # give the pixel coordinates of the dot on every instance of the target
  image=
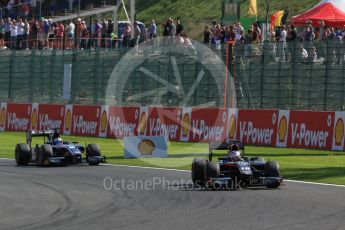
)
(55, 151)
(235, 170)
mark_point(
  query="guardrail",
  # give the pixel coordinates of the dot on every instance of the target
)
(281, 128)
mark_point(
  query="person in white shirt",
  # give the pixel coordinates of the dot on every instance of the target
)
(26, 34)
(70, 32)
(13, 30)
(238, 29)
(20, 33)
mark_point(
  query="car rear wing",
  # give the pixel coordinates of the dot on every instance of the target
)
(32, 133)
(224, 146)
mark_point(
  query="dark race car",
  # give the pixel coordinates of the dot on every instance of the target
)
(55, 151)
(235, 170)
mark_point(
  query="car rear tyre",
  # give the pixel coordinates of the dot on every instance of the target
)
(93, 150)
(212, 170)
(199, 172)
(272, 170)
(43, 155)
(22, 154)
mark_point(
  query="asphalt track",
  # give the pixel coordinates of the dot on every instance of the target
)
(76, 197)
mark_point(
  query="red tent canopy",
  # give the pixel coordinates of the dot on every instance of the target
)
(332, 12)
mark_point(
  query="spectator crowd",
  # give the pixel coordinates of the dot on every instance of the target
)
(76, 34)
(305, 44)
(286, 43)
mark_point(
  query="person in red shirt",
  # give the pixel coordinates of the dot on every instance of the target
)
(59, 34)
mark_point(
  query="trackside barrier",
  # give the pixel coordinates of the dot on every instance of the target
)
(281, 128)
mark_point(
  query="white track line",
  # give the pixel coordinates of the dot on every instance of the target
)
(151, 168)
(315, 183)
(188, 171)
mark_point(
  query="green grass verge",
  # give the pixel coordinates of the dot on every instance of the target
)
(296, 164)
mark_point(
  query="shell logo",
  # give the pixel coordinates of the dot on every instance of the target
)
(339, 131)
(142, 123)
(68, 120)
(2, 117)
(185, 125)
(104, 121)
(146, 147)
(232, 127)
(282, 129)
(34, 119)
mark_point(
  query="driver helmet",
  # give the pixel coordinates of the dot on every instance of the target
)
(58, 141)
(235, 155)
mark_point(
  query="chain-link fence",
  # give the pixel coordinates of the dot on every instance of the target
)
(50, 8)
(165, 75)
(295, 75)
(305, 76)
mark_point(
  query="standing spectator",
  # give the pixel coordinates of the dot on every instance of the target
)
(113, 39)
(290, 41)
(45, 33)
(13, 34)
(34, 34)
(256, 33)
(271, 35)
(143, 34)
(309, 37)
(26, 34)
(70, 29)
(322, 31)
(137, 33)
(104, 31)
(2, 34)
(59, 35)
(223, 34)
(207, 35)
(110, 30)
(20, 33)
(51, 34)
(232, 34)
(238, 29)
(338, 43)
(84, 36)
(179, 27)
(96, 28)
(126, 35)
(173, 26)
(282, 44)
(152, 30)
(77, 34)
(40, 34)
(331, 47)
(7, 28)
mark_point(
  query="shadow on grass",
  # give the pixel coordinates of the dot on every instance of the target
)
(314, 173)
(171, 156)
(289, 154)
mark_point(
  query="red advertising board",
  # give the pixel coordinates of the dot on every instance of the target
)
(310, 129)
(85, 120)
(122, 121)
(208, 125)
(18, 117)
(164, 122)
(49, 117)
(257, 127)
